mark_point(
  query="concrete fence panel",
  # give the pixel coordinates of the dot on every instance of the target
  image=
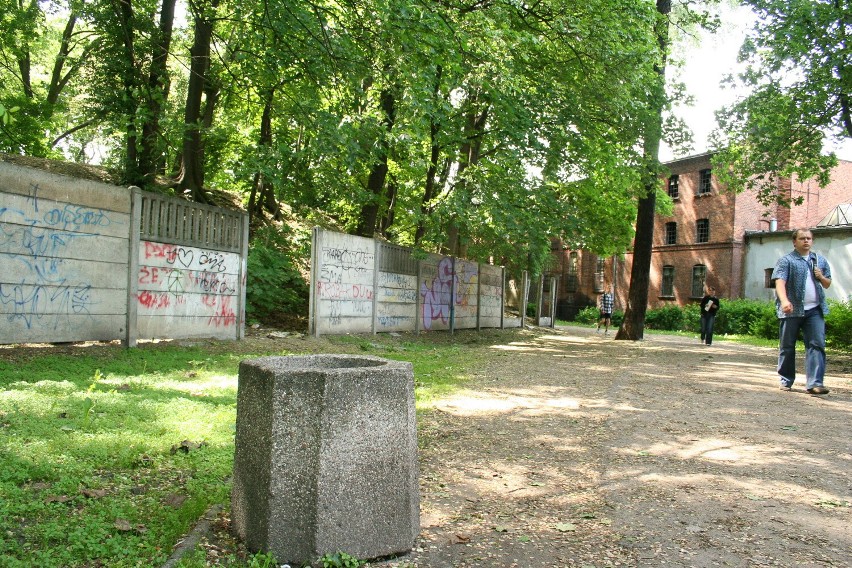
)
(366, 285)
(83, 260)
(342, 283)
(63, 258)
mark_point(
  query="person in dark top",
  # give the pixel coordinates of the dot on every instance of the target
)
(709, 306)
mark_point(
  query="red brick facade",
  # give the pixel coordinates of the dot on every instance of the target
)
(705, 213)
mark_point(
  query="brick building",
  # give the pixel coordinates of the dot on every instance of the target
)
(702, 241)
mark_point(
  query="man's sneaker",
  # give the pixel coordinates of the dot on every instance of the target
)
(786, 389)
(818, 390)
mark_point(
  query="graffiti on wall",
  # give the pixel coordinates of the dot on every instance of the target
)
(458, 288)
(45, 259)
(179, 281)
(344, 284)
(362, 285)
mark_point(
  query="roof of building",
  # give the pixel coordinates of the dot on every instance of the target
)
(840, 215)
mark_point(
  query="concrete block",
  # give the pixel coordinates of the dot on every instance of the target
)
(326, 457)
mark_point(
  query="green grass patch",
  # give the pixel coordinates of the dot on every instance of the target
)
(108, 456)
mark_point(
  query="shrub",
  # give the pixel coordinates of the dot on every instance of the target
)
(838, 324)
(765, 322)
(590, 315)
(669, 318)
(587, 315)
(736, 316)
(274, 284)
(692, 318)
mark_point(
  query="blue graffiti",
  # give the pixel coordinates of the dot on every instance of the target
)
(29, 304)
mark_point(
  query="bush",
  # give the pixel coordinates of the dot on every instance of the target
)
(588, 315)
(737, 316)
(274, 284)
(669, 318)
(838, 324)
(765, 322)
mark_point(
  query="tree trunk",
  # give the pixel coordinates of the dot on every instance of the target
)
(262, 191)
(191, 177)
(376, 181)
(150, 155)
(432, 171)
(633, 326)
(131, 158)
(469, 152)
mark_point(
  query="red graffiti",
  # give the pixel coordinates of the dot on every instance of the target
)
(149, 274)
(154, 301)
(224, 316)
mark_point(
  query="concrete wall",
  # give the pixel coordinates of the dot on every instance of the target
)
(63, 258)
(185, 291)
(764, 249)
(363, 285)
(83, 260)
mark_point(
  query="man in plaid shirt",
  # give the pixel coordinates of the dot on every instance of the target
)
(801, 278)
(606, 303)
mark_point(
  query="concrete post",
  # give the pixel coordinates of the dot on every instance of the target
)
(326, 457)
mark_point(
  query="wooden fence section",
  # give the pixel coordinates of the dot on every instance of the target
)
(364, 285)
(176, 221)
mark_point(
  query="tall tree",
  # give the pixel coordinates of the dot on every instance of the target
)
(633, 325)
(799, 77)
(201, 97)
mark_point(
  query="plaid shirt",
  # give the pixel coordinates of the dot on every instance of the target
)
(795, 271)
(607, 301)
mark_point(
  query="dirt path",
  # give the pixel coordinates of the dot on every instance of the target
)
(572, 449)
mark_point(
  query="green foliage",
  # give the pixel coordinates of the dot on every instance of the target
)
(590, 315)
(587, 315)
(275, 283)
(669, 318)
(765, 323)
(340, 560)
(838, 325)
(780, 128)
(737, 316)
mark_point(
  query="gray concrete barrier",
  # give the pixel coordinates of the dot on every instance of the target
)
(326, 457)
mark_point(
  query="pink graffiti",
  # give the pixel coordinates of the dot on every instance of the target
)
(337, 291)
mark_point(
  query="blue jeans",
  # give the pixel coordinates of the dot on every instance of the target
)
(812, 325)
(707, 321)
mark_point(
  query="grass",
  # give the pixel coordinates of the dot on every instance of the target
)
(108, 456)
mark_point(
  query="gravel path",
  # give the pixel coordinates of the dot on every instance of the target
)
(571, 449)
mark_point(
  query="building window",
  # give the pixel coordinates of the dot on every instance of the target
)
(699, 273)
(767, 278)
(702, 231)
(667, 289)
(704, 184)
(571, 280)
(673, 187)
(671, 233)
(600, 271)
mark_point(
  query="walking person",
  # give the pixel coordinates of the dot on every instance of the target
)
(801, 278)
(605, 304)
(710, 304)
